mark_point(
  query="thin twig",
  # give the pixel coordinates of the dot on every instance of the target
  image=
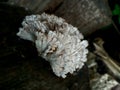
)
(115, 26)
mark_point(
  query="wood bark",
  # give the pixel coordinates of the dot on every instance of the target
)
(20, 66)
(87, 15)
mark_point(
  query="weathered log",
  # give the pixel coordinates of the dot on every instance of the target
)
(21, 68)
(87, 15)
(37, 5)
(26, 70)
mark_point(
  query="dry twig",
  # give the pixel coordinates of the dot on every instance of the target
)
(113, 68)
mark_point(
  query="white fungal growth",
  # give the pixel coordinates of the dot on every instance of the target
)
(57, 41)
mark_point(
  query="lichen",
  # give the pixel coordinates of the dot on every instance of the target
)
(56, 41)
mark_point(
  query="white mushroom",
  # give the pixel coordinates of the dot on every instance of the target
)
(57, 41)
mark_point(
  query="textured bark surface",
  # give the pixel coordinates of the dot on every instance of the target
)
(38, 6)
(20, 66)
(87, 15)
(30, 4)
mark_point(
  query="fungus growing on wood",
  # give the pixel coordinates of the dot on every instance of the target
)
(56, 41)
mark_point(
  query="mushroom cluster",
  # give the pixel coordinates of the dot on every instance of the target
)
(56, 41)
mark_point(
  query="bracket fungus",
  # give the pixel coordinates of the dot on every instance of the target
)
(56, 41)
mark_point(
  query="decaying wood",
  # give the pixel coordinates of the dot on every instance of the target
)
(30, 4)
(20, 66)
(22, 70)
(87, 15)
(113, 68)
(37, 6)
